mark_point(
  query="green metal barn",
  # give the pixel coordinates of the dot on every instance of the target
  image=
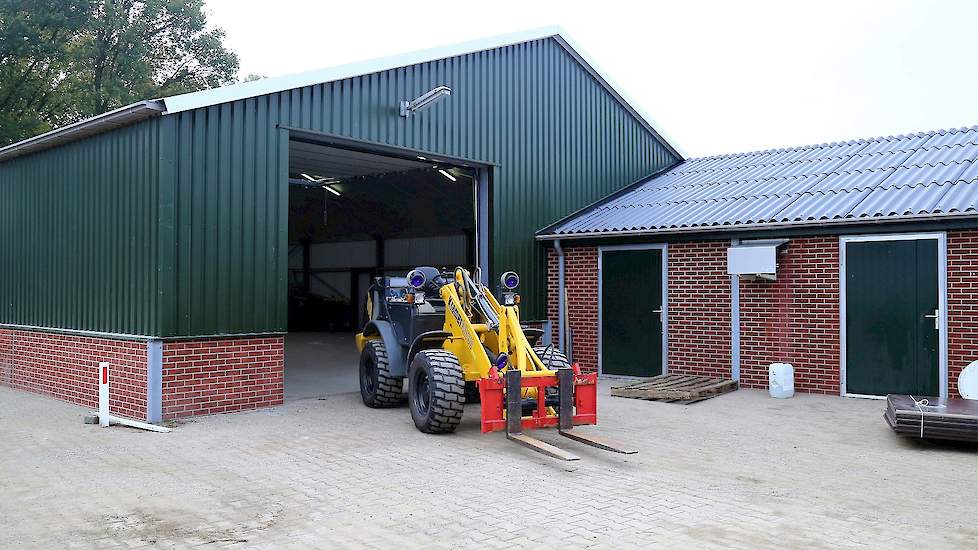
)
(182, 238)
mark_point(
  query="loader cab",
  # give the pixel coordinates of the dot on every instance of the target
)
(392, 300)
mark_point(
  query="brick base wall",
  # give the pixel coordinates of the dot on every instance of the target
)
(794, 319)
(224, 375)
(66, 367)
(199, 376)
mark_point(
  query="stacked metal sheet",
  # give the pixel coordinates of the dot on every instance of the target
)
(933, 417)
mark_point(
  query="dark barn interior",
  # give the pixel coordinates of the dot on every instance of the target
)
(354, 216)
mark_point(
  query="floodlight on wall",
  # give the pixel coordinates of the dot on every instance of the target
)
(424, 100)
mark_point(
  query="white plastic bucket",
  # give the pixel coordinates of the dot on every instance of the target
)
(968, 381)
(781, 383)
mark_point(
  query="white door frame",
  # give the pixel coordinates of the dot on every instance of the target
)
(664, 315)
(941, 238)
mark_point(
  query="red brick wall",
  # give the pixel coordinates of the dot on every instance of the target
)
(794, 319)
(962, 304)
(66, 367)
(580, 273)
(216, 376)
(699, 309)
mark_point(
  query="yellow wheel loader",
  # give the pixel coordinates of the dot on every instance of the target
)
(453, 342)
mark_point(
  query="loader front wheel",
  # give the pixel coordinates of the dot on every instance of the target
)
(378, 388)
(436, 391)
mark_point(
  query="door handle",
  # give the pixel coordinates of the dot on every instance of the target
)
(935, 317)
(657, 310)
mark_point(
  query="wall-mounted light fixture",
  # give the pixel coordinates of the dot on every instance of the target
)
(408, 108)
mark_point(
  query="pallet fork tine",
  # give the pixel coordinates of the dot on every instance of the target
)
(565, 411)
(514, 421)
(565, 381)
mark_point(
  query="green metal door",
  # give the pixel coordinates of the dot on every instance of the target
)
(631, 300)
(892, 335)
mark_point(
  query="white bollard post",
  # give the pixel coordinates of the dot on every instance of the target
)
(103, 394)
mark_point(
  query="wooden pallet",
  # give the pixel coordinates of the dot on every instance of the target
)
(673, 388)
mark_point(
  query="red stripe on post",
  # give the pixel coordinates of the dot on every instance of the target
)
(105, 375)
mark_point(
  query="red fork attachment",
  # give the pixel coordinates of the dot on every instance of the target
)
(492, 391)
(502, 408)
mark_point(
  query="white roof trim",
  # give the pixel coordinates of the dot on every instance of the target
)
(245, 90)
(123, 116)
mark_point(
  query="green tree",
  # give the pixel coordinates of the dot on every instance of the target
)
(64, 60)
(37, 64)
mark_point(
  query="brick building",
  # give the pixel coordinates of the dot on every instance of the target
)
(856, 262)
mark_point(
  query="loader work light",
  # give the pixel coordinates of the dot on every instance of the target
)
(416, 279)
(510, 280)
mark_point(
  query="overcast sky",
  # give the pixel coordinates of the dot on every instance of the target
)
(717, 77)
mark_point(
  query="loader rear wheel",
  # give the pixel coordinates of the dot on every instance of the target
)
(378, 388)
(436, 391)
(552, 357)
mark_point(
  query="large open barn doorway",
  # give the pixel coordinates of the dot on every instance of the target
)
(355, 214)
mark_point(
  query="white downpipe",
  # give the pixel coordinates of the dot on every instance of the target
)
(105, 419)
(561, 315)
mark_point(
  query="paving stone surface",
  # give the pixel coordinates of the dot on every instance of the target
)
(738, 471)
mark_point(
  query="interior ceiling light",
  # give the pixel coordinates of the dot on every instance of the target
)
(426, 99)
(320, 179)
(422, 158)
(447, 175)
(331, 190)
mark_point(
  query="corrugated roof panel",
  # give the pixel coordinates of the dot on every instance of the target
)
(943, 155)
(916, 175)
(923, 174)
(821, 206)
(970, 172)
(953, 137)
(866, 179)
(885, 159)
(900, 201)
(960, 197)
(896, 143)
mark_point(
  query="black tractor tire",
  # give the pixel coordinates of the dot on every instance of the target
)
(436, 391)
(379, 389)
(552, 357)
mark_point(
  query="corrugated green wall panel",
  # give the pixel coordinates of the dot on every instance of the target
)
(560, 139)
(80, 234)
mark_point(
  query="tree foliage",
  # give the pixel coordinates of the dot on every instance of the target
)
(65, 60)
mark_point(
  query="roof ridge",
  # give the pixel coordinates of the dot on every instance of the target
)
(926, 133)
